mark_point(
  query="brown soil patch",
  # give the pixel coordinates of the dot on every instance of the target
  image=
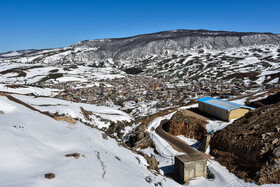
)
(14, 70)
(15, 86)
(251, 75)
(3, 94)
(75, 155)
(86, 113)
(68, 119)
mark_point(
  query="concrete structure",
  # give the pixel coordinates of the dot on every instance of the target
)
(188, 167)
(205, 142)
(221, 109)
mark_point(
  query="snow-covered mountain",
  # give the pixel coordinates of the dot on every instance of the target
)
(16, 53)
(180, 53)
(177, 41)
(141, 46)
(259, 65)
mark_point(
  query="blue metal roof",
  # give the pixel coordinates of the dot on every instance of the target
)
(222, 103)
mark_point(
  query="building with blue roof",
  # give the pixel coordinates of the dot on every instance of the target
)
(224, 110)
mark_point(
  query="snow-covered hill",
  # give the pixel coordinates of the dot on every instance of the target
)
(255, 64)
(143, 46)
(188, 54)
(33, 144)
(16, 53)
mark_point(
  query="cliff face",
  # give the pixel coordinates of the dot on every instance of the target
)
(171, 41)
(189, 126)
(250, 147)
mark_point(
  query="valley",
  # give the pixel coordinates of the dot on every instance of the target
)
(102, 102)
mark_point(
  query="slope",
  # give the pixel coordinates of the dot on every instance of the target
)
(34, 144)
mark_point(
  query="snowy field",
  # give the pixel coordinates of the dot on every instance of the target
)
(30, 90)
(98, 117)
(36, 72)
(33, 144)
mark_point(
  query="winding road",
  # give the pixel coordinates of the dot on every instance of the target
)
(192, 153)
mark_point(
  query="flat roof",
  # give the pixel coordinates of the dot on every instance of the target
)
(227, 105)
(195, 156)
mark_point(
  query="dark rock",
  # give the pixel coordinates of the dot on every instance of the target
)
(49, 175)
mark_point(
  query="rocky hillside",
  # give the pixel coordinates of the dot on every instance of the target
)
(187, 125)
(250, 147)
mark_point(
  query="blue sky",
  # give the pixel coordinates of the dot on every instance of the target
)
(37, 24)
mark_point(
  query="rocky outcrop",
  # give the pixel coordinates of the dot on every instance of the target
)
(188, 126)
(139, 138)
(250, 147)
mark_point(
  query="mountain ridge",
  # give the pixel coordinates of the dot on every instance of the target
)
(179, 40)
(142, 45)
(180, 30)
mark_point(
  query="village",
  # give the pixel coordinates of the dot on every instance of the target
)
(138, 89)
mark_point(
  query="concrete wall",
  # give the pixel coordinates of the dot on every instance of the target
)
(179, 170)
(237, 113)
(214, 111)
(187, 169)
(195, 169)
